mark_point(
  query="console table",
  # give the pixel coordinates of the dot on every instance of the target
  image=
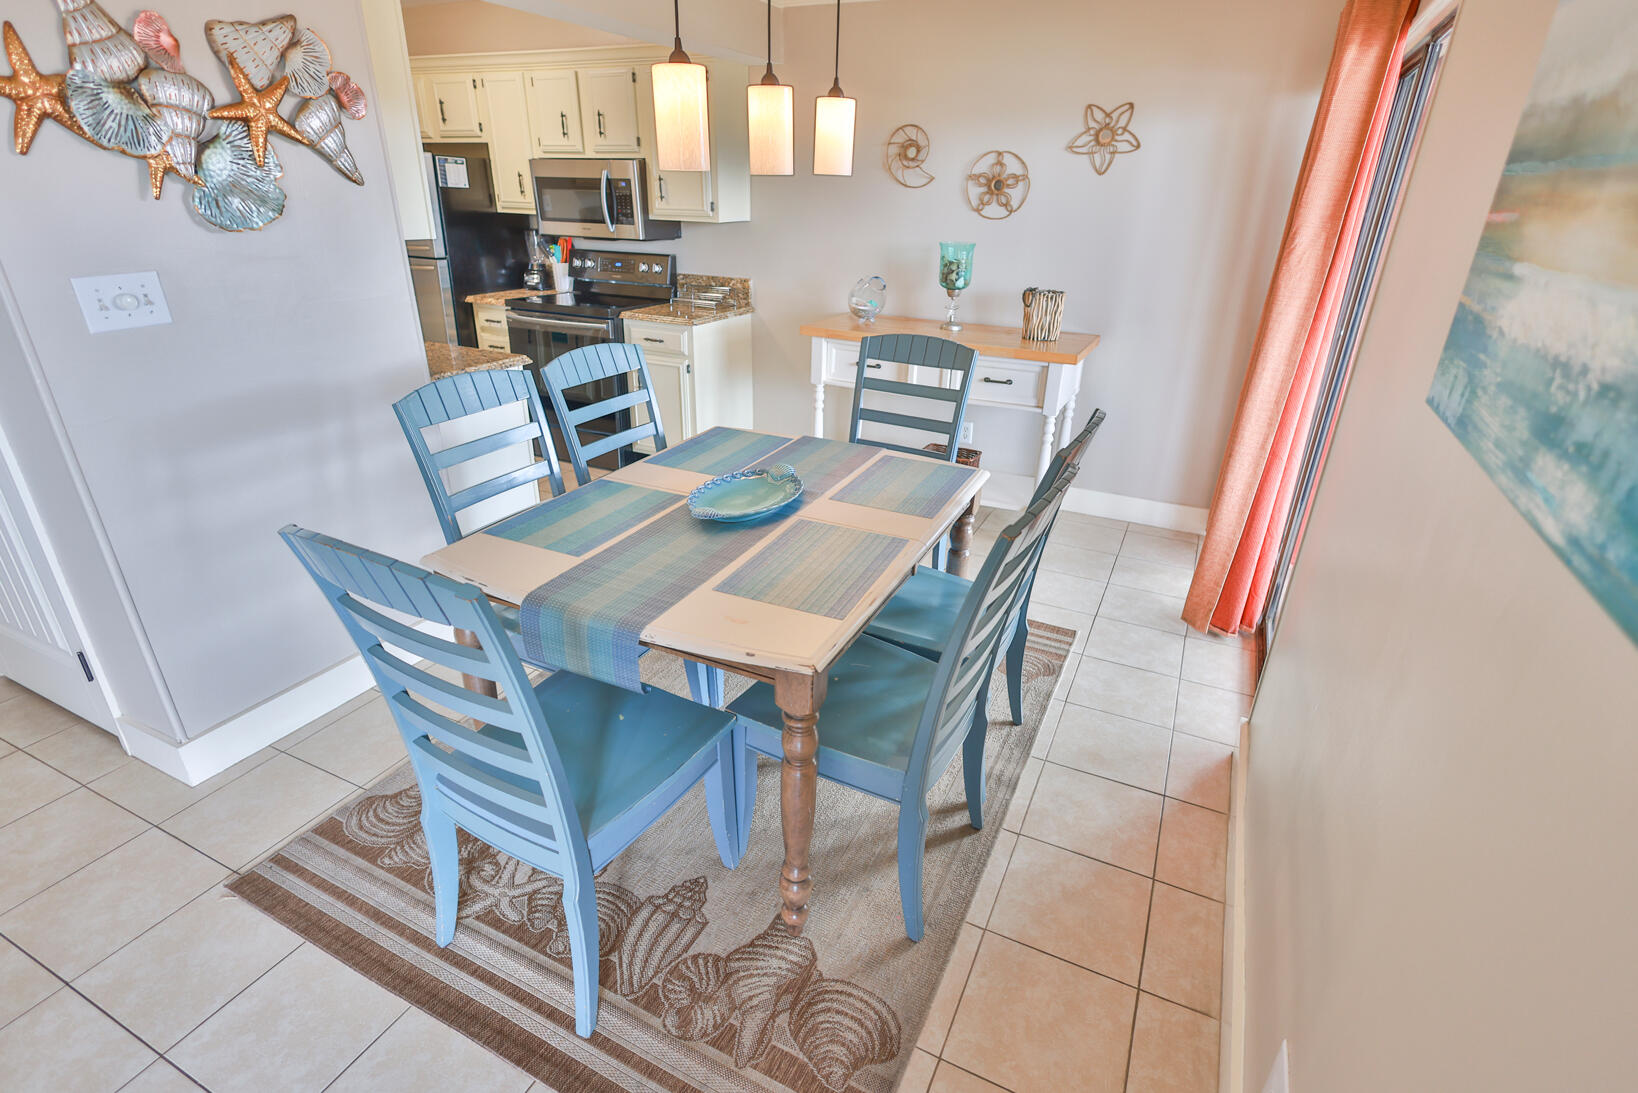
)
(1041, 377)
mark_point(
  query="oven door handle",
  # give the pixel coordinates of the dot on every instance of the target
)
(603, 195)
(561, 326)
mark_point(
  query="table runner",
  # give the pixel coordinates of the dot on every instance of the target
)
(588, 620)
(584, 519)
(820, 463)
(914, 487)
(782, 573)
(719, 450)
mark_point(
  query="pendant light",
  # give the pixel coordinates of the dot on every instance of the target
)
(682, 130)
(770, 110)
(833, 120)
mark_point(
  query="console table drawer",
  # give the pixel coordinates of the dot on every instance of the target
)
(1011, 385)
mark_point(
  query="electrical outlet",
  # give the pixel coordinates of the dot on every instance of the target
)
(119, 301)
(966, 432)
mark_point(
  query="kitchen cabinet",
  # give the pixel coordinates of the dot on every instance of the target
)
(722, 194)
(554, 112)
(608, 111)
(682, 194)
(455, 112)
(491, 324)
(426, 108)
(505, 98)
(701, 373)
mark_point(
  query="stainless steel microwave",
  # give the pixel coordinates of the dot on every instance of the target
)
(596, 199)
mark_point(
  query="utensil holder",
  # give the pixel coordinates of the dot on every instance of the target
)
(561, 282)
(1043, 314)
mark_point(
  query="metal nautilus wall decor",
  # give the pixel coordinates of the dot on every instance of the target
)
(1106, 135)
(128, 92)
(997, 184)
(907, 150)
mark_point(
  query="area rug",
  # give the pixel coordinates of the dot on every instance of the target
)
(702, 989)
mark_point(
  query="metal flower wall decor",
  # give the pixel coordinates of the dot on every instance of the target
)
(128, 92)
(1106, 135)
(997, 184)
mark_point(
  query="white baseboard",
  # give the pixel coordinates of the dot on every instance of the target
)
(251, 731)
(1232, 1048)
(1012, 491)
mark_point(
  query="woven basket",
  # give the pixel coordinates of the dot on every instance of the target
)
(1043, 314)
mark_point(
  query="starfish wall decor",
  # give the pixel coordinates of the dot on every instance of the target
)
(1106, 135)
(127, 92)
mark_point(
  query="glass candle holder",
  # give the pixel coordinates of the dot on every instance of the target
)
(955, 269)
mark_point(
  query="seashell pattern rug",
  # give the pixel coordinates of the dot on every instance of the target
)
(702, 988)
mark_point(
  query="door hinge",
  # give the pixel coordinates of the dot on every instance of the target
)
(85, 666)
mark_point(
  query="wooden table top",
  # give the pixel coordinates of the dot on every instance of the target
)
(1000, 341)
(751, 636)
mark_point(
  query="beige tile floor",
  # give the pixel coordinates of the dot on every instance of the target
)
(1090, 960)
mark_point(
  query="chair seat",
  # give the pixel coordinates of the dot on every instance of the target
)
(617, 746)
(922, 613)
(867, 723)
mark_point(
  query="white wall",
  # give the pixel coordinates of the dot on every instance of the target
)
(472, 26)
(1167, 256)
(267, 400)
(1440, 814)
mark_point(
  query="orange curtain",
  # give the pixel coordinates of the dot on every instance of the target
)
(1258, 478)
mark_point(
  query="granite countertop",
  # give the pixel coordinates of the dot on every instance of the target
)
(448, 360)
(483, 298)
(683, 313)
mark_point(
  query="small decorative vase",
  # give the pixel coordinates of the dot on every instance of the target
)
(868, 298)
(955, 269)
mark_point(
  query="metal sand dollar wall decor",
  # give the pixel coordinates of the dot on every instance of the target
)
(907, 150)
(997, 184)
(128, 92)
(1106, 135)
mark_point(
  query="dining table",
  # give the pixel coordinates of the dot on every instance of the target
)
(620, 565)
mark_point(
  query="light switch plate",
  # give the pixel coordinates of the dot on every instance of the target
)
(119, 301)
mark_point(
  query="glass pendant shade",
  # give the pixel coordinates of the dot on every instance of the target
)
(682, 128)
(833, 134)
(771, 111)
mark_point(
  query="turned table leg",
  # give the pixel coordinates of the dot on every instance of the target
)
(799, 698)
(961, 540)
(1069, 421)
(475, 683)
(1049, 433)
(818, 409)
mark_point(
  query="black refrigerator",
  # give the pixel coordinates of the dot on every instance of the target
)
(473, 247)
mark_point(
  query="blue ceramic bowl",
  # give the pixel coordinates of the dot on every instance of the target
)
(746, 495)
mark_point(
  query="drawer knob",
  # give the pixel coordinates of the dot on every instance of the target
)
(992, 379)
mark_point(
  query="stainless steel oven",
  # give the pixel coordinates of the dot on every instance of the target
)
(596, 199)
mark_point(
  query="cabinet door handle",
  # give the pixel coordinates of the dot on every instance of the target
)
(656, 341)
(992, 379)
(600, 130)
(662, 187)
(563, 119)
(521, 190)
(443, 117)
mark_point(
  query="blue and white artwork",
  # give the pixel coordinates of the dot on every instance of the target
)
(1539, 376)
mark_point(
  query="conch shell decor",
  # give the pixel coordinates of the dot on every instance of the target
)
(127, 91)
(660, 931)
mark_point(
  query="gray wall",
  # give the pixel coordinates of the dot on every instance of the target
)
(1440, 809)
(266, 401)
(1167, 256)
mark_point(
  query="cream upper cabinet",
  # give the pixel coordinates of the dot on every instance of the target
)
(723, 193)
(608, 110)
(682, 193)
(455, 106)
(554, 111)
(505, 96)
(426, 109)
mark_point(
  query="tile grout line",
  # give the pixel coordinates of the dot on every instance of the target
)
(351, 1062)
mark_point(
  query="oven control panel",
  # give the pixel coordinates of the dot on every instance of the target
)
(622, 267)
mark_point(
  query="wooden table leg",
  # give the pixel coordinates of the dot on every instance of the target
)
(475, 683)
(961, 540)
(799, 698)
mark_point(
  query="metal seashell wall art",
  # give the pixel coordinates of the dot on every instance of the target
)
(997, 184)
(907, 150)
(127, 92)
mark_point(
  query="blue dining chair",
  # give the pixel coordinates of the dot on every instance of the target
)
(594, 364)
(893, 720)
(459, 396)
(922, 614)
(916, 406)
(562, 776)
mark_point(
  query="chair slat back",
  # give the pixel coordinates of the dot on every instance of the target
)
(449, 398)
(591, 364)
(502, 765)
(937, 410)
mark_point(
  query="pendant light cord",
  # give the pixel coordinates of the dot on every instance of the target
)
(677, 54)
(836, 76)
(768, 76)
